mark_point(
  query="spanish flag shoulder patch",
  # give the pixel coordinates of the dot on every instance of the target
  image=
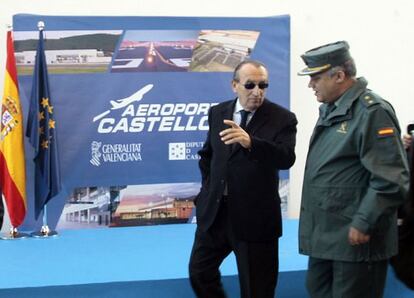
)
(385, 132)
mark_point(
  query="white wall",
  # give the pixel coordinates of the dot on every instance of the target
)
(380, 33)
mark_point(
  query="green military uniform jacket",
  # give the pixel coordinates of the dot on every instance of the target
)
(356, 175)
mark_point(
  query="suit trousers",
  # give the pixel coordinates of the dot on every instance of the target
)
(257, 262)
(337, 279)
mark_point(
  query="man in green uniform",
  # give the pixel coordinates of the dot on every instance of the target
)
(356, 176)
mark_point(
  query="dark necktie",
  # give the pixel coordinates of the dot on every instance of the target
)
(244, 115)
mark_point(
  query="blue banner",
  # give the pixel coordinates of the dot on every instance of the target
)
(131, 94)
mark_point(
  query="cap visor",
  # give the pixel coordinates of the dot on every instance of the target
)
(313, 70)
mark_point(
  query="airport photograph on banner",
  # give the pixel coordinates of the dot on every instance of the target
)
(131, 98)
(168, 50)
(136, 205)
(67, 51)
(132, 205)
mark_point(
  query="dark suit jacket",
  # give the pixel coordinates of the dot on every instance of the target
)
(251, 176)
(403, 263)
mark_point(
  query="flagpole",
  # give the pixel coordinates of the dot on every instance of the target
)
(45, 231)
(41, 25)
(14, 234)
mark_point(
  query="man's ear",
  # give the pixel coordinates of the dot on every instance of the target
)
(340, 76)
(234, 85)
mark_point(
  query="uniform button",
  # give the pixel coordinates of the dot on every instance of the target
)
(222, 181)
(218, 200)
(302, 209)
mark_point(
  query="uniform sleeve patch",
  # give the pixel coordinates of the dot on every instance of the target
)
(385, 132)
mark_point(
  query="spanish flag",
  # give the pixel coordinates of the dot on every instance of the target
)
(12, 160)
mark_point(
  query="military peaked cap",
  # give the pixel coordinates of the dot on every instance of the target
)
(325, 57)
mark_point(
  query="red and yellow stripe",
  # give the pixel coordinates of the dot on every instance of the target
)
(386, 131)
(12, 158)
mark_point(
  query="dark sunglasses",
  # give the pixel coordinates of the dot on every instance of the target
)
(251, 85)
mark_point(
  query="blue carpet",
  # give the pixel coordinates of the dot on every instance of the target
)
(133, 262)
(151, 289)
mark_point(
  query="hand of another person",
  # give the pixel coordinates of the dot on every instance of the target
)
(235, 134)
(407, 140)
(355, 237)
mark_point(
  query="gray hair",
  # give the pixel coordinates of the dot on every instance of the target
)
(348, 67)
(258, 64)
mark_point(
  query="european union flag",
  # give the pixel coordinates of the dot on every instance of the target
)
(41, 126)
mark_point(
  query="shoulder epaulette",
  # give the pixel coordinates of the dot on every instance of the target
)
(369, 99)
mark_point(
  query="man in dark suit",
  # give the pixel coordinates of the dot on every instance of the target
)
(238, 207)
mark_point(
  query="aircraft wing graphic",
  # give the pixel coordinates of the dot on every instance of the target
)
(137, 96)
(123, 102)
